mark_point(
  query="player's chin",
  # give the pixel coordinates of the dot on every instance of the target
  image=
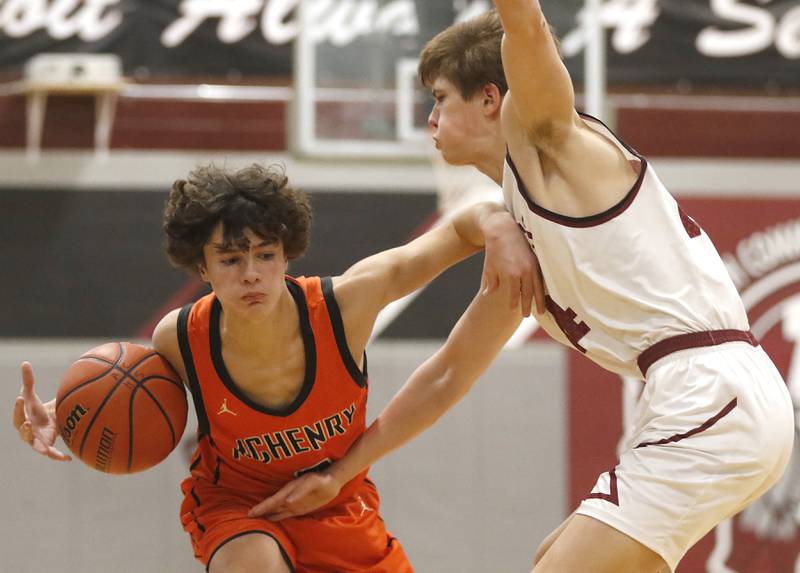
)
(452, 157)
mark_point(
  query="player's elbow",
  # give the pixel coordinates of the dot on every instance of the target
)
(452, 384)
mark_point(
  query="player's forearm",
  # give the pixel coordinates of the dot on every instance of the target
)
(438, 384)
(423, 399)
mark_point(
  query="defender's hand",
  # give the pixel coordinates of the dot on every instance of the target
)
(508, 254)
(35, 421)
(298, 497)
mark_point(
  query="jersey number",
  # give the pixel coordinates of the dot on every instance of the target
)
(566, 320)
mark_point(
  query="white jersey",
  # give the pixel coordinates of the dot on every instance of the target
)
(622, 280)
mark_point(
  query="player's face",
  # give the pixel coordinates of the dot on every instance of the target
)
(456, 124)
(247, 276)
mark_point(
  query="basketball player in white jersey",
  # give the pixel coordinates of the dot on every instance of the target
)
(634, 284)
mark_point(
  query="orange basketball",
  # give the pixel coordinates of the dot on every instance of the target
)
(121, 408)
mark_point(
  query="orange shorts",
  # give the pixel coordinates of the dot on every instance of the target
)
(347, 538)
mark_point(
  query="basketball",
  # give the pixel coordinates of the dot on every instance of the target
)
(121, 408)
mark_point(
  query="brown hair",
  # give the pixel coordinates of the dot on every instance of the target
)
(467, 55)
(256, 198)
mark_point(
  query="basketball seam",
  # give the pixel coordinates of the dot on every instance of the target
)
(84, 383)
(126, 374)
(160, 407)
(141, 385)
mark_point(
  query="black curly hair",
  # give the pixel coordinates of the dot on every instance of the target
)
(256, 198)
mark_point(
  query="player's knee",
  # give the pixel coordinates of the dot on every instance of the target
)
(254, 553)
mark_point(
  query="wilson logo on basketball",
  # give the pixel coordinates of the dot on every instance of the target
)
(105, 449)
(71, 422)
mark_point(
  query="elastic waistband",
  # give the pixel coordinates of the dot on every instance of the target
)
(691, 340)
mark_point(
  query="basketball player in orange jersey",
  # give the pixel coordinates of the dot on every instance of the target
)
(633, 283)
(277, 370)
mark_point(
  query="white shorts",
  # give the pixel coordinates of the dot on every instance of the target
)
(713, 431)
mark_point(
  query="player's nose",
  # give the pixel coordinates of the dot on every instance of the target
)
(433, 119)
(250, 271)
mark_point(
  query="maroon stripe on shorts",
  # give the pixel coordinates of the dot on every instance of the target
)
(692, 340)
(611, 496)
(701, 428)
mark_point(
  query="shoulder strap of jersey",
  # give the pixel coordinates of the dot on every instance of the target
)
(335, 314)
(203, 427)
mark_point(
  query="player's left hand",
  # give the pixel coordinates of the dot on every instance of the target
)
(298, 497)
(509, 256)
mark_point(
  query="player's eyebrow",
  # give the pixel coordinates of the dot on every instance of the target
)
(231, 247)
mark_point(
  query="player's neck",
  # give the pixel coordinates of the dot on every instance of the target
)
(491, 162)
(261, 332)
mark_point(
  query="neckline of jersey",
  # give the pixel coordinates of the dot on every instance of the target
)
(309, 345)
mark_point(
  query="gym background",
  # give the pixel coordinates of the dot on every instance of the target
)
(709, 90)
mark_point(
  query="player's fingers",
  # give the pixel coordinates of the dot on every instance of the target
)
(539, 291)
(526, 293)
(26, 433)
(272, 503)
(280, 516)
(33, 406)
(492, 282)
(57, 455)
(18, 417)
(27, 380)
(514, 291)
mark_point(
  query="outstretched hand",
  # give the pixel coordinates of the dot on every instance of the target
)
(298, 497)
(510, 258)
(35, 421)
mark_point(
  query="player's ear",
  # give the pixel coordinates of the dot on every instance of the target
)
(201, 270)
(492, 99)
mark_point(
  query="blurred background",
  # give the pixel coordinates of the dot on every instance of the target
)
(104, 103)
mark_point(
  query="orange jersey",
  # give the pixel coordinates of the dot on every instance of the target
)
(247, 447)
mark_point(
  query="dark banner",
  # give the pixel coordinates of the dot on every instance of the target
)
(691, 42)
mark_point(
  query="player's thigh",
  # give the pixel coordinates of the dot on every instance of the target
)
(550, 539)
(251, 553)
(587, 545)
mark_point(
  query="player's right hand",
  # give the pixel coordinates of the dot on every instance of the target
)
(510, 260)
(35, 421)
(298, 497)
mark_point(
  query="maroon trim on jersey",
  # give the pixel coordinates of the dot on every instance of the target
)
(692, 340)
(611, 496)
(701, 428)
(692, 228)
(592, 220)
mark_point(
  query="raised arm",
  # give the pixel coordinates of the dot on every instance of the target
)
(542, 97)
(432, 389)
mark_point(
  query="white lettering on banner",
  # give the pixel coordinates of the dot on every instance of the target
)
(337, 21)
(766, 250)
(275, 25)
(631, 21)
(90, 20)
(761, 32)
(237, 20)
